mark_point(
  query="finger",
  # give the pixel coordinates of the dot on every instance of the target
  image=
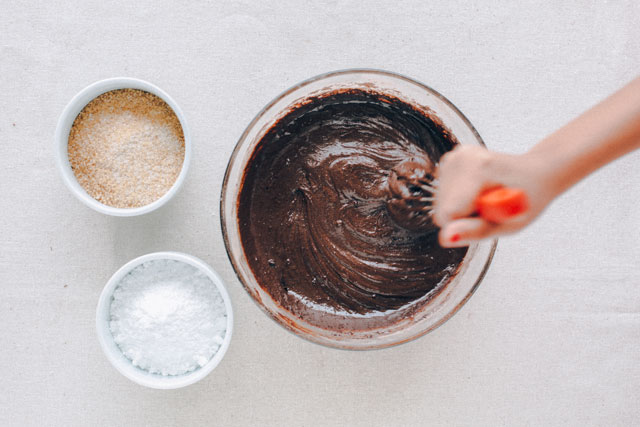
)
(457, 189)
(454, 201)
(462, 232)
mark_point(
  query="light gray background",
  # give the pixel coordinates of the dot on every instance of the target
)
(552, 336)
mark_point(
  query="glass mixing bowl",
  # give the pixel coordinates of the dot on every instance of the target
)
(443, 303)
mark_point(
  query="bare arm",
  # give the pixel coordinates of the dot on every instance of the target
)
(607, 131)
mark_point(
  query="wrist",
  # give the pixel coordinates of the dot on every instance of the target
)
(543, 171)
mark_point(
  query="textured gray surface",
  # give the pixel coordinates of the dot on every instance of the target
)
(550, 338)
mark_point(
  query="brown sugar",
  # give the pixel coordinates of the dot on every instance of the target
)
(126, 148)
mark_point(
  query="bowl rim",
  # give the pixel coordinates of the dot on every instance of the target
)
(116, 357)
(68, 116)
(224, 213)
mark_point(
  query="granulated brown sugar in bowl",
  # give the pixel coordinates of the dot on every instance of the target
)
(126, 148)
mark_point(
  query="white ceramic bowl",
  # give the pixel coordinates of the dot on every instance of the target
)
(74, 108)
(124, 365)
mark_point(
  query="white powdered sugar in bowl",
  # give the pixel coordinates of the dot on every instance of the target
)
(167, 317)
(165, 320)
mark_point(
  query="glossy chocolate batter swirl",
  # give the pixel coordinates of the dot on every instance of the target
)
(409, 204)
(314, 207)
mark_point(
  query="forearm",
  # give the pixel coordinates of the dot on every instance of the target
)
(607, 131)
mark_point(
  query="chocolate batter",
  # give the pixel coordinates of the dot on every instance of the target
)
(326, 225)
(409, 204)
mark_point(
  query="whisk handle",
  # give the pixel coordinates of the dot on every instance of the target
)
(500, 204)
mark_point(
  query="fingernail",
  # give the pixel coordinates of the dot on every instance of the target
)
(454, 237)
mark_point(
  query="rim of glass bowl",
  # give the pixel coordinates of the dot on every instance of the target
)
(224, 214)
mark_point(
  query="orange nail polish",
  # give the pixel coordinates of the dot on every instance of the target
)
(454, 237)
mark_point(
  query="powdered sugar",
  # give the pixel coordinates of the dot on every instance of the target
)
(167, 317)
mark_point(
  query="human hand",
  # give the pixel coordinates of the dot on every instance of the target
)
(466, 173)
(607, 131)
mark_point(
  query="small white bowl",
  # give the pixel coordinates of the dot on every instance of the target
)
(124, 365)
(74, 108)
